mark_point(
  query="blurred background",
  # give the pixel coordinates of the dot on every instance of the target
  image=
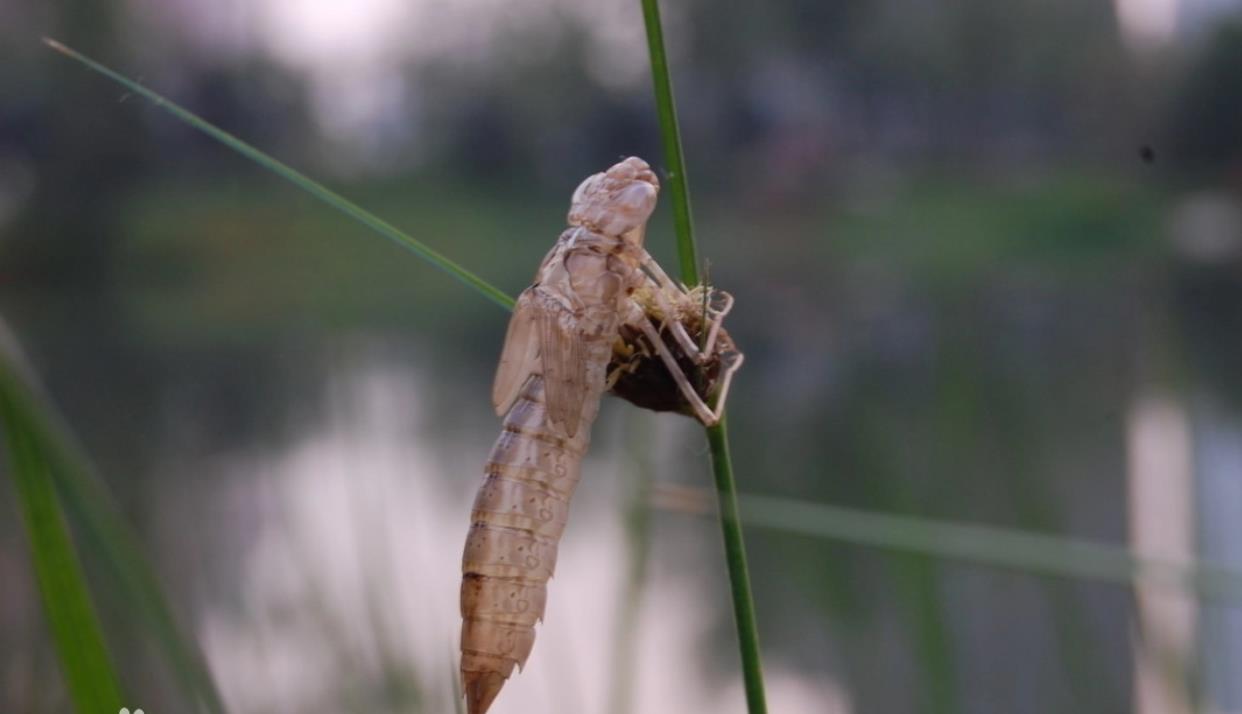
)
(988, 267)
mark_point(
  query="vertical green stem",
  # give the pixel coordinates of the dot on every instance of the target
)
(677, 186)
(739, 573)
(670, 135)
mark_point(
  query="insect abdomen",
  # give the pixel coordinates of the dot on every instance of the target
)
(517, 521)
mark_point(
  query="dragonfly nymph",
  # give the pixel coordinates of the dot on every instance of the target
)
(600, 314)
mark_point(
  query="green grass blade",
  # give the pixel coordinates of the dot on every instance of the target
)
(739, 572)
(76, 633)
(297, 178)
(991, 546)
(677, 185)
(92, 510)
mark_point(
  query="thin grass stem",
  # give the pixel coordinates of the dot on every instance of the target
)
(739, 572)
(670, 135)
(297, 178)
(990, 546)
(717, 436)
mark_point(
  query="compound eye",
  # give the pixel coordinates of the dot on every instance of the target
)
(631, 207)
(637, 199)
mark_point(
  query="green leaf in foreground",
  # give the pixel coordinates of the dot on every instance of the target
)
(76, 633)
(297, 178)
(36, 435)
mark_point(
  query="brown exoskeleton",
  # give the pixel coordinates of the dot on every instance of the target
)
(596, 290)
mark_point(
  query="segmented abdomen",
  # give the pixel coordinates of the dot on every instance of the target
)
(519, 514)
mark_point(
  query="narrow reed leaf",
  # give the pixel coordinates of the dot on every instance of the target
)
(989, 546)
(678, 187)
(104, 531)
(297, 178)
(93, 509)
(78, 639)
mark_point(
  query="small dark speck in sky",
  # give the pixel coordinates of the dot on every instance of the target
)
(1147, 154)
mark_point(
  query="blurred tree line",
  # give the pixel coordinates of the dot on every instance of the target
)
(802, 92)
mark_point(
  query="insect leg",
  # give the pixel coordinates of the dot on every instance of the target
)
(664, 287)
(716, 317)
(661, 278)
(705, 414)
(712, 317)
(725, 381)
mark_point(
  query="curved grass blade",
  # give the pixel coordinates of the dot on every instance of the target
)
(76, 633)
(297, 178)
(717, 436)
(989, 546)
(92, 508)
(104, 532)
(992, 546)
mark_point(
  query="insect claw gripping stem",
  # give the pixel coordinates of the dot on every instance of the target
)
(703, 412)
